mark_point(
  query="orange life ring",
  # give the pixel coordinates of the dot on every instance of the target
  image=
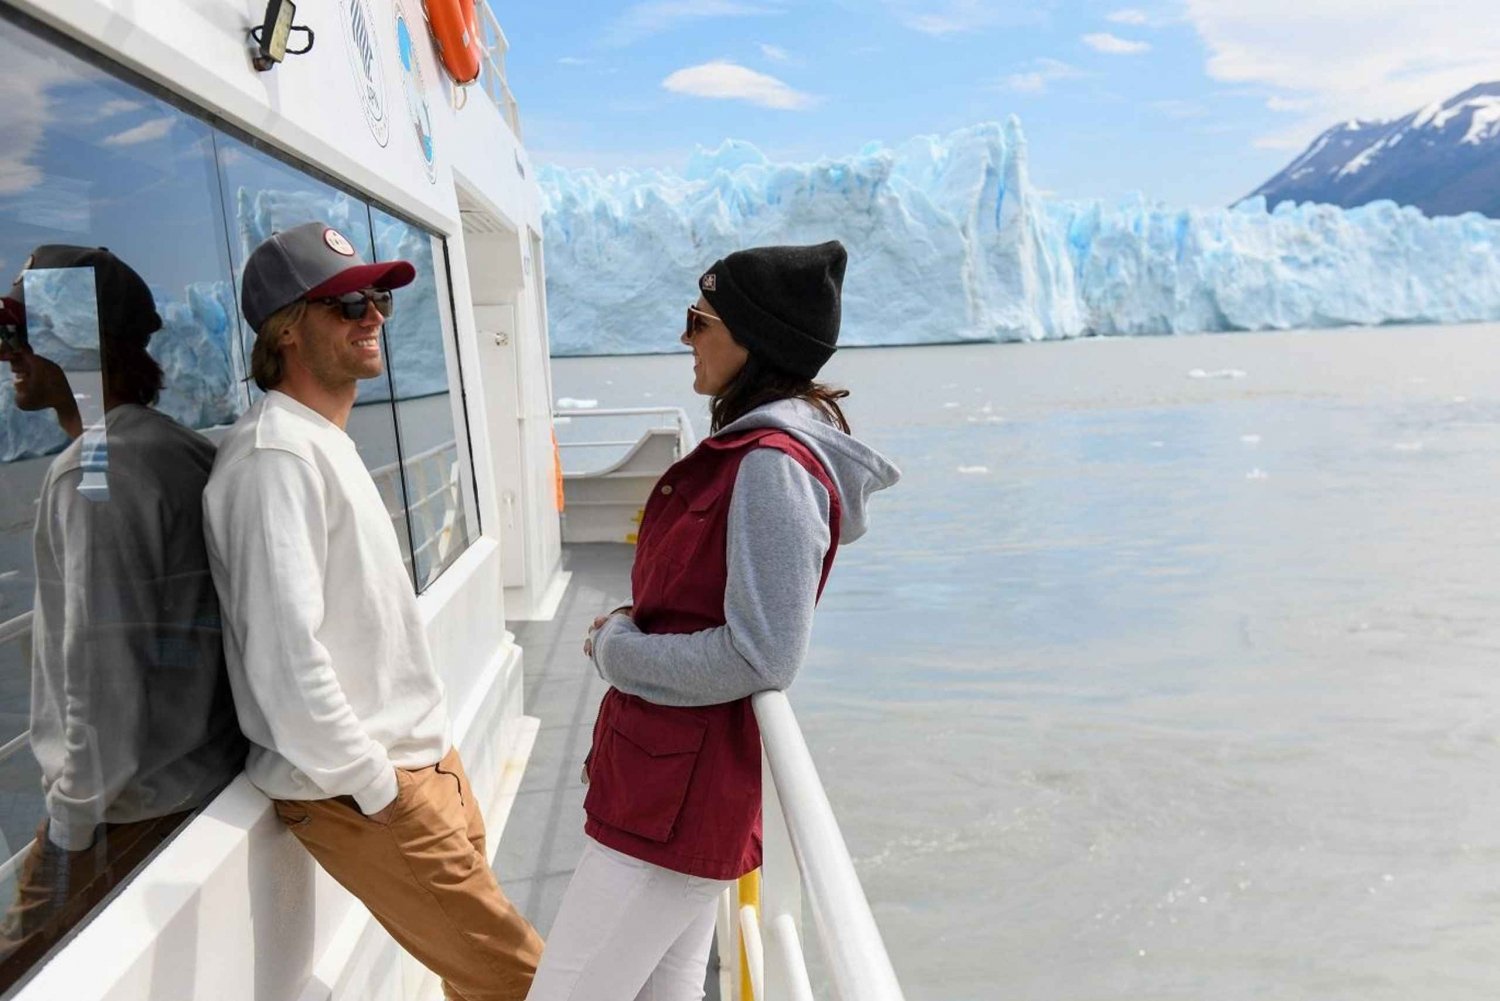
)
(557, 476)
(455, 28)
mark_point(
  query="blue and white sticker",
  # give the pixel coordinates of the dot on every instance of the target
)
(415, 84)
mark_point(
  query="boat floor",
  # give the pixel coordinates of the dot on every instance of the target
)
(544, 836)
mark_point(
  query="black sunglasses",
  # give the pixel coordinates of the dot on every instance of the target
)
(354, 305)
(697, 320)
(13, 337)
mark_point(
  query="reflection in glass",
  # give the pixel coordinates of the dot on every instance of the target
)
(104, 599)
(263, 196)
(431, 444)
(130, 716)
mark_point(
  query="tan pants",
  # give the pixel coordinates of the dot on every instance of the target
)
(424, 875)
(56, 889)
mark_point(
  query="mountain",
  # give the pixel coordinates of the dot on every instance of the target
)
(1444, 159)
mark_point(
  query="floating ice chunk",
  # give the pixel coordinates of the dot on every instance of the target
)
(1218, 373)
(1250, 439)
(1407, 446)
(569, 403)
(974, 470)
(1257, 474)
(950, 406)
(1460, 399)
(1158, 444)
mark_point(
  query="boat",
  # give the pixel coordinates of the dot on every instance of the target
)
(179, 134)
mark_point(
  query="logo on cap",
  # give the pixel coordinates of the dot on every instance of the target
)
(709, 282)
(337, 243)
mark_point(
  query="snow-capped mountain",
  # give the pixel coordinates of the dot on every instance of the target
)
(1444, 159)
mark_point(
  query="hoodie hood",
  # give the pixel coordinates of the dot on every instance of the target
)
(857, 470)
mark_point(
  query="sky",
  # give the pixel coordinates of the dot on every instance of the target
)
(1189, 102)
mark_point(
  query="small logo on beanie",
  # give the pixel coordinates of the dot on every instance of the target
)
(337, 243)
(709, 282)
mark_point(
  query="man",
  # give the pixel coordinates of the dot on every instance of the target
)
(131, 720)
(327, 655)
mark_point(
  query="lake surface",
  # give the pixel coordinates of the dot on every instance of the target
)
(1171, 669)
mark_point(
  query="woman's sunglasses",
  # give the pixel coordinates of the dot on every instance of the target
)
(697, 321)
(354, 305)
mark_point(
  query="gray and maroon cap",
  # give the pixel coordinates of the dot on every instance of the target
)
(310, 261)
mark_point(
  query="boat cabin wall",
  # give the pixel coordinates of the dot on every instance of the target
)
(232, 909)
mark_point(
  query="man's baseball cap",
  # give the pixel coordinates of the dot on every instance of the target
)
(127, 311)
(310, 261)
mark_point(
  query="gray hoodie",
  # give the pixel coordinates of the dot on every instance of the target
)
(778, 535)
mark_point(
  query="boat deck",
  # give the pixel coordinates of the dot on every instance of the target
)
(544, 835)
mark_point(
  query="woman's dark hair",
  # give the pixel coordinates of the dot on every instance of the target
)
(758, 383)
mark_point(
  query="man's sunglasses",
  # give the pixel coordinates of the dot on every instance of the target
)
(354, 305)
(13, 337)
(697, 320)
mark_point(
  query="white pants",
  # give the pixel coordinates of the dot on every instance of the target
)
(628, 931)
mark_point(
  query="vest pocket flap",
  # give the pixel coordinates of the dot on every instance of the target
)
(659, 731)
(705, 498)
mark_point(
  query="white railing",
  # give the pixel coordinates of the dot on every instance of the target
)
(674, 417)
(433, 479)
(492, 75)
(804, 851)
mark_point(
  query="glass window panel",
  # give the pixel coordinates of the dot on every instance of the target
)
(434, 443)
(115, 718)
(263, 195)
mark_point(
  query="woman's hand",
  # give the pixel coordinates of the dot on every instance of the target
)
(588, 642)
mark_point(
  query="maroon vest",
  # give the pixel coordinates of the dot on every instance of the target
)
(680, 786)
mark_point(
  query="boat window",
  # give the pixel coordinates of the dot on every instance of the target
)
(263, 195)
(421, 353)
(115, 717)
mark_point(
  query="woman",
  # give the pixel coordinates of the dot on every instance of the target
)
(734, 548)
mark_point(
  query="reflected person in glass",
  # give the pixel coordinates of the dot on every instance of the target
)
(334, 681)
(131, 719)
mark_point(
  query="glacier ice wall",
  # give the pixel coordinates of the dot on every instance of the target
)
(949, 241)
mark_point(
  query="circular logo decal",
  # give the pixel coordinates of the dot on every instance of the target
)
(415, 85)
(337, 243)
(364, 59)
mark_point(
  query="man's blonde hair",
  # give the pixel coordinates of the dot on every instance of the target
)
(266, 366)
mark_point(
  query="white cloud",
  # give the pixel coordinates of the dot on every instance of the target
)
(1103, 41)
(1180, 110)
(1277, 103)
(1129, 15)
(1042, 73)
(1337, 59)
(146, 132)
(572, 61)
(775, 53)
(731, 82)
(956, 17)
(656, 16)
(25, 110)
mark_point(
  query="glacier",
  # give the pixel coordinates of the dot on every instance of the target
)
(950, 241)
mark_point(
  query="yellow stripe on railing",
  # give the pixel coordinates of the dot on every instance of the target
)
(749, 890)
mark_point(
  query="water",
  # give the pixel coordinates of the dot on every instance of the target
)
(1186, 687)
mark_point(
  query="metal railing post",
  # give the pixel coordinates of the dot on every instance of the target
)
(781, 892)
(860, 966)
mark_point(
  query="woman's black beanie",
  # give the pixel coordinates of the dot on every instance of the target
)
(781, 303)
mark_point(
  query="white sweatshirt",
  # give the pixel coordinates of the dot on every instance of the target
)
(328, 660)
